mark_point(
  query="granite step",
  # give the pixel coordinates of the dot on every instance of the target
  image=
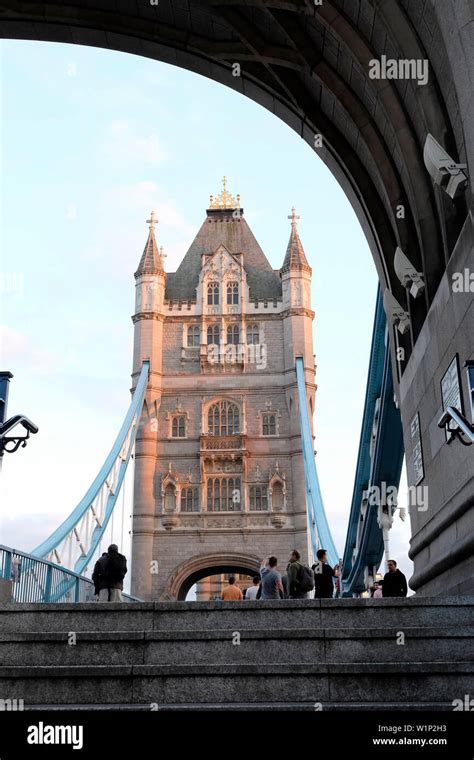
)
(158, 685)
(232, 647)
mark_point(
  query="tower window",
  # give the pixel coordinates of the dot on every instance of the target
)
(269, 424)
(223, 495)
(190, 500)
(223, 418)
(253, 335)
(258, 498)
(213, 335)
(233, 334)
(213, 294)
(193, 335)
(233, 293)
(178, 426)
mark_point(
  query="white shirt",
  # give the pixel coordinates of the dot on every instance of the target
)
(251, 592)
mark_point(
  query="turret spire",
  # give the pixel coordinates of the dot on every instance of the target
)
(151, 261)
(295, 256)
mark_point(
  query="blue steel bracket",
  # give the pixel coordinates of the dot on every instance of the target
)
(364, 543)
(319, 528)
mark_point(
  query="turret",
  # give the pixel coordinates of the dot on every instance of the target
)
(296, 286)
(298, 341)
(150, 282)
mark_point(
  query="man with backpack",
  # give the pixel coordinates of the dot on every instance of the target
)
(300, 577)
(109, 572)
(323, 577)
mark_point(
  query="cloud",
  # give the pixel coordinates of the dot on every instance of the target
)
(17, 347)
(28, 530)
(116, 250)
(124, 147)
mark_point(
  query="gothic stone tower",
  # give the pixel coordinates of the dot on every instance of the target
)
(219, 480)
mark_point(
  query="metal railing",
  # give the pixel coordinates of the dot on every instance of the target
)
(39, 580)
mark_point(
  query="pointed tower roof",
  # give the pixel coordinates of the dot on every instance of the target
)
(151, 261)
(295, 256)
(223, 226)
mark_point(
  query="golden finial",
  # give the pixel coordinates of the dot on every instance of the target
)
(224, 199)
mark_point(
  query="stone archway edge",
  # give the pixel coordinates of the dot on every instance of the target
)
(206, 561)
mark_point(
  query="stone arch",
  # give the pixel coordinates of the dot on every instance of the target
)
(192, 570)
(310, 66)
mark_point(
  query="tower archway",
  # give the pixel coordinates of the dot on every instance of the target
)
(201, 566)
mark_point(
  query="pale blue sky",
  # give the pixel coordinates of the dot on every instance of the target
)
(92, 140)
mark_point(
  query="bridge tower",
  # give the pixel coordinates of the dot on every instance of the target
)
(219, 480)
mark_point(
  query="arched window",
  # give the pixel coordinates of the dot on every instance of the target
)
(213, 294)
(233, 334)
(224, 495)
(178, 426)
(213, 335)
(233, 292)
(258, 498)
(269, 424)
(277, 497)
(253, 335)
(190, 500)
(223, 418)
(170, 498)
(193, 335)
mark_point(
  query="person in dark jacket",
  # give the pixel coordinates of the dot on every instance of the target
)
(111, 571)
(293, 573)
(323, 576)
(98, 575)
(394, 582)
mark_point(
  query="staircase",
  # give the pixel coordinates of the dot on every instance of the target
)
(301, 655)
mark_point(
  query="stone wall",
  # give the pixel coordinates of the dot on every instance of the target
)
(442, 544)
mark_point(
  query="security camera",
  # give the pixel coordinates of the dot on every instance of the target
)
(407, 274)
(443, 169)
(444, 420)
(396, 314)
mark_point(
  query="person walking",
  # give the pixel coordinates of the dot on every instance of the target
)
(231, 592)
(272, 587)
(323, 576)
(294, 572)
(251, 592)
(394, 582)
(111, 570)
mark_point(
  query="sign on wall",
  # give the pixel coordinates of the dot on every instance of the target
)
(451, 391)
(417, 456)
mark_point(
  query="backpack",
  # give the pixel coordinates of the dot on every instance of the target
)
(306, 579)
(115, 567)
